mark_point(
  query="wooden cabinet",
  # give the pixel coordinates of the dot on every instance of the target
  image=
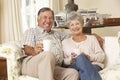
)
(3, 69)
(111, 21)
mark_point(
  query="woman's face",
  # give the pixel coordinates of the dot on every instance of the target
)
(75, 27)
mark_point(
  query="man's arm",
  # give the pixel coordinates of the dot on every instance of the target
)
(29, 50)
(33, 51)
(100, 40)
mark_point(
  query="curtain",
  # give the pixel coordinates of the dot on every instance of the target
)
(57, 5)
(10, 20)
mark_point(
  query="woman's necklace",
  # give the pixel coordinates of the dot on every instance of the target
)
(78, 40)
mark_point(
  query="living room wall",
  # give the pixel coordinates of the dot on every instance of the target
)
(111, 7)
(103, 6)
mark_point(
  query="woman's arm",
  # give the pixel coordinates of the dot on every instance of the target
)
(98, 54)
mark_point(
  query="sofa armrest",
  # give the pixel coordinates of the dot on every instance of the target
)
(12, 52)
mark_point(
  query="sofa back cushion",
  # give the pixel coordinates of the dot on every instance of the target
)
(112, 50)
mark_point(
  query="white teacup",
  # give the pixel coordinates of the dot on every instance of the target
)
(46, 45)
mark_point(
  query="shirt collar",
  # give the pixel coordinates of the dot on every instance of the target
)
(43, 31)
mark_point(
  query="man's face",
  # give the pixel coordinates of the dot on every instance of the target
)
(45, 20)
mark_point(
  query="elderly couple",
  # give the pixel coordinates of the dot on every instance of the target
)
(75, 57)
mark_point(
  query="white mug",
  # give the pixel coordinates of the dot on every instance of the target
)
(46, 45)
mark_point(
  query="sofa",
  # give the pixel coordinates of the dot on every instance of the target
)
(12, 52)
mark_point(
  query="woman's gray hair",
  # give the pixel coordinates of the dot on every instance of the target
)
(74, 16)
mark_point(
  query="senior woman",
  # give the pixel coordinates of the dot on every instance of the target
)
(82, 52)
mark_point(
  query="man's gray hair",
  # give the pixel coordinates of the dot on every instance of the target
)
(75, 16)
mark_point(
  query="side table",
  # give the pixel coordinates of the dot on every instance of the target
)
(3, 68)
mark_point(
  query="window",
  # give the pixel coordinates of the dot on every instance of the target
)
(29, 11)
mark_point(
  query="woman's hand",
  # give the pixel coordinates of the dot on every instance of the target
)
(73, 56)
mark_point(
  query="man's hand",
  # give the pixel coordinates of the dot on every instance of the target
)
(33, 51)
(38, 48)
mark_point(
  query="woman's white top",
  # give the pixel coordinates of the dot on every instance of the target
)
(90, 46)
